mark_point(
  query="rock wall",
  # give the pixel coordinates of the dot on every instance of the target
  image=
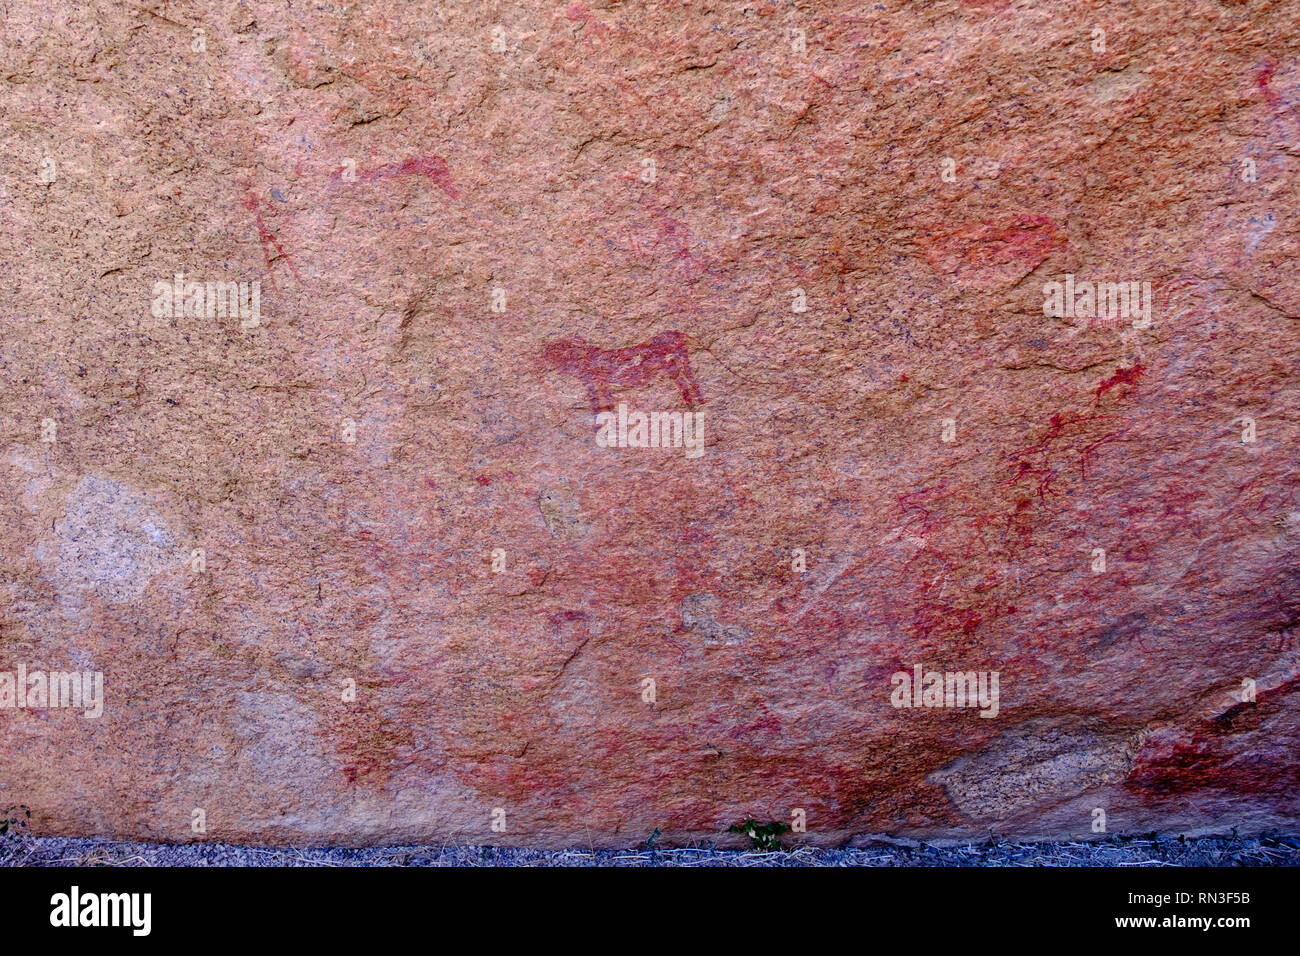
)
(338, 339)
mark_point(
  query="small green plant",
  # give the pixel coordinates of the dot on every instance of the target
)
(763, 836)
(650, 843)
(14, 818)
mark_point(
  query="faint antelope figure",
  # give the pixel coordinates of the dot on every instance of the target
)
(636, 365)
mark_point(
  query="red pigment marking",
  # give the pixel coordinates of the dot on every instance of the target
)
(945, 597)
(434, 168)
(1026, 241)
(952, 526)
(1202, 760)
(581, 13)
(1263, 77)
(1045, 478)
(671, 241)
(1093, 446)
(268, 239)
(483, 480)
(369, 747)
(1057, 426)
(764, 727)
(678, 234)
(675, 234)
(634, 366)
(930, 613)
(390, 83)
(1026, 238)
(841, 292)
(565, 617)
(1122, 376)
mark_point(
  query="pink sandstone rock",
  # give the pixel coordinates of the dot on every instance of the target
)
(354, 567)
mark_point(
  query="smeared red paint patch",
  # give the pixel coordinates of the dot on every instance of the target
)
(566, 616)
(1217, 754)
(1122, 376)
(483, 480)
(634, 366)
(370, 745)
(949, 597)
(678, 236)
(1263, 77)
(268, 240)
(993, 253)
(669, 243)
(581, 13)
(764, 728)
(433, 168)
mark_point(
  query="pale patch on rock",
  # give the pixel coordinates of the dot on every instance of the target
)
(1118, 85)
(561, 512)
(109, 542)
(697, 615)
(577, 701)
(277, 737)
(36, 486)
(1034, 766)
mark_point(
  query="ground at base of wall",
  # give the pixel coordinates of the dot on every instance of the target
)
(1153, 851)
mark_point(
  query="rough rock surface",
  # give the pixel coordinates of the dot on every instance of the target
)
(830, 229)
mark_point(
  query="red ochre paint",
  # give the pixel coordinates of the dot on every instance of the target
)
(566, 616)
(601, 369)
(581, 13)
(268, 240)
(936, 514)
(1026, 239)
(1122, 376)
(434, 168)
(1201, 761)
(1263, 77)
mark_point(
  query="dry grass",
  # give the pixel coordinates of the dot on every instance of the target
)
(1267, 850)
